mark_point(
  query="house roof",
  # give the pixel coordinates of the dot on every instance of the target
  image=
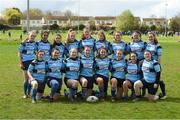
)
(151, 19)
(105, 18)
(33, 18)
(57, 18)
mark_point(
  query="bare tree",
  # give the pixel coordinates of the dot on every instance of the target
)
(69, 15)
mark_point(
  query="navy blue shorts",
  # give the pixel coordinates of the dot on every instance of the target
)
(90, 81)
(150, 87)
(119, 82)
(132, 85)
(65, 81)
(41, 87)
(58, 80)
(105, 81)
(26, 64)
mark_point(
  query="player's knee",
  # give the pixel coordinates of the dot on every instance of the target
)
(34, 84)
(137, 84)
(100, 81)
(113, 81)
(75, 84)
(84, 83)
(125, 84)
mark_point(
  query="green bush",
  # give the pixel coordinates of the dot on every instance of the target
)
(4, 27)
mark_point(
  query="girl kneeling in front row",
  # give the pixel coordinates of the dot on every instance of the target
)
(72, 66)
(36, 73)
(118, 75)
(86, 72)
(151, 75)
(102, 67)
(55, 67)
(133, 74)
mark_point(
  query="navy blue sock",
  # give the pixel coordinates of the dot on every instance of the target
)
(54, 87)
(25, 86)
(101, 90)
(84, 92)
(113, 91)
(29, 88)
(162, 86)
(72, 91)
(34, 92)
(143, 91)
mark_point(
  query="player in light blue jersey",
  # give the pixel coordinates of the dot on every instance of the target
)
(102, 68)
(133, 74)
(87, 40)
(118, 72)
(44, 44)
(154, 47)
(26, 55)
(72, 67)
(57, 43)
(87, 72)
(151, 75)
(102, 42)
(37, 72)
(137, 45)
(118, 44)
(71, 42)
(156, 51)
(55, 66)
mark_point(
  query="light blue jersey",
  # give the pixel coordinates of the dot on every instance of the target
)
(55, 67)
(103, 43)
(155, 49)
(46, 47)
(38, 70)
(102, 66)
(133, 71)
(137, 47)
(87, 66)
(88, 42)
(150, 69)
(118, 68)
(118, 46)
(28, 49)
(72, 67)
(61, 49)
(71, 45)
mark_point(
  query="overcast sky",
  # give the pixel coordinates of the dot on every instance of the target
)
(141, 8)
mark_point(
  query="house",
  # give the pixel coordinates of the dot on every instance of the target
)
(105, 21)
(80, 19)
(154, 21)
(39, 21)
(59, 20)
(138, 19)
(34, 22)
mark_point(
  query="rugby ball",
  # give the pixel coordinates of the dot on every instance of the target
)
(92, 99)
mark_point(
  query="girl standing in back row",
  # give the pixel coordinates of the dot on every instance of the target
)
(57, 43)
(71, 42)
(87, 40)
(102, 43)
(44, 45)
(118, 44)
(137, 45)
(156, 50)
(26, 55)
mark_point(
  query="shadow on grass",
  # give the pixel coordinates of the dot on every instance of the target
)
(171, 99)
(65, 100)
